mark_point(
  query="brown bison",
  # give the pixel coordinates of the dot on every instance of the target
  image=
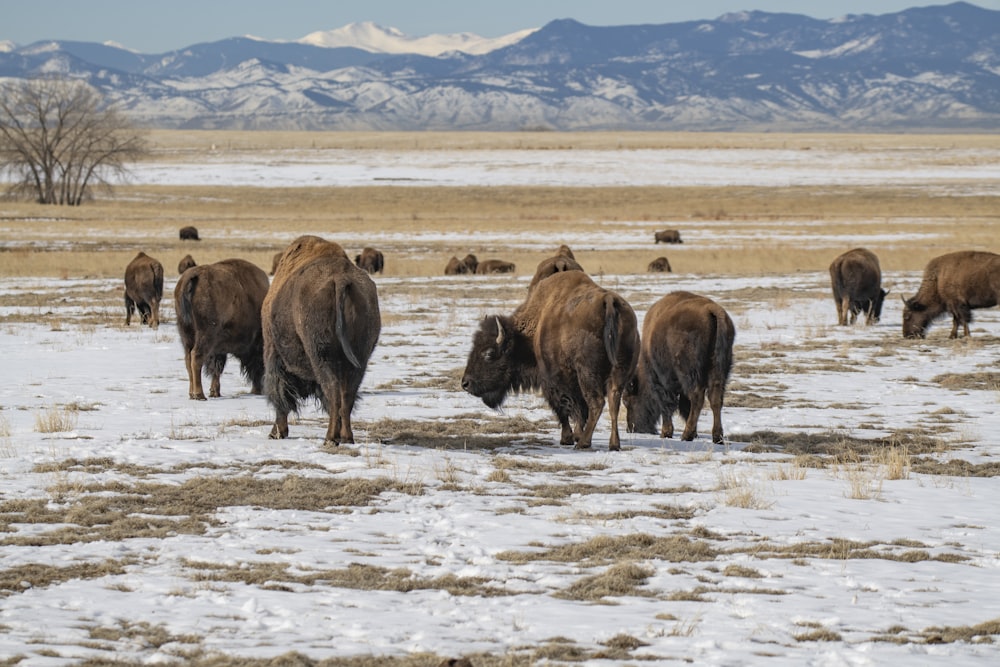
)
(186, 264)
(566, 251)
(143, 289)
(668, 236)
(371, 260)
(189, 234)
(218, 313)
(321, 322)
(575, 341)
(856, 279)
(956, 283)
(553, 265)
(659, 265)
(687, 351)
(457, 266)
(495, 266)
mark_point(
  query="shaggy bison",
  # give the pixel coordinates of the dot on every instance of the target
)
(553, 265)
(575, 341)
(186, 264)
(495, 266)
(218, 313)
(456, 266)
(189, 234)
(659, 265)
(370, 260)
(687, 351)
(668, 236)
(143, 289)
(955, 283)
(320, 322)
(856, 279)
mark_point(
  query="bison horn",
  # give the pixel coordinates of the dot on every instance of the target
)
(499, 332)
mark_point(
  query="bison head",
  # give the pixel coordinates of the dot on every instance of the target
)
(915, 318)
(875, 314)
(640, 405)
(490, 372)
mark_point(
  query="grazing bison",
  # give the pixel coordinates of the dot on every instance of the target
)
(143, 289)
(458, 266)
(218, 313)
(956, 283)
(553, 265)
(668, 236)
(321, 322)
(856, 279)
(687, 351)
(659, 265)
(186, 264)
(371, 260)
(189, 234)
(575, 341)
(495, 266)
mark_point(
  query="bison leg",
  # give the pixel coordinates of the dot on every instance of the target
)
(843, 306)
(715, 395)
(129, 310)
(194, 362)
(280, 429)
(588, 422)
(216, 365)
(154, 314)
(614, 403)
(697, 399)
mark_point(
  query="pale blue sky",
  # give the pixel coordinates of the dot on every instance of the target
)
(162, 25)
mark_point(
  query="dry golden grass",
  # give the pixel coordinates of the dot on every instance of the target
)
(100, 237)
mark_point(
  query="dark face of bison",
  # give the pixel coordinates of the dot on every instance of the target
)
(489, 372)
(640, 410)
(877, 305)
(915, 319)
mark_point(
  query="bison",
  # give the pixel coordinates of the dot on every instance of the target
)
(218, 313)
(186, 263)
(957, 283)
(321, 322)
(659, 265)
(856, 279)
(371, 260)
(495, 266)
(566, 251)
(575, 341)
(457, 266)
(274, 262)
(553, 265)
(687, 351)
(189, 233)
(143, 289)
(668, 236)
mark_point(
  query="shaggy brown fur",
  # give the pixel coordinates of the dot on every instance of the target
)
(321, 322)
(495, 266)
(370, 260)
(143, 289)
(687, 351)
(218, 313)
(186, 263)
(572, 339)
(553, 265)
(955, 283)
(659, 265)
(856, 279)
(668, 236)
(274, 262)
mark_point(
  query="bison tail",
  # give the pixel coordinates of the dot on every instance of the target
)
(185, 309)
(341, 324)
(722, 352)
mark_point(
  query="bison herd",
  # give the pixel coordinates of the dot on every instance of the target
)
(311, 330)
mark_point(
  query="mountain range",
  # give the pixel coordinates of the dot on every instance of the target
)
(925, 68)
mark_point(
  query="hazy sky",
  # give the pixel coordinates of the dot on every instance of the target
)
(155, 26)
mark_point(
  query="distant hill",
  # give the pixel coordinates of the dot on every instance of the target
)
(928, 68)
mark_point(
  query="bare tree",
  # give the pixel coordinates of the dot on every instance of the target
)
(58, 141)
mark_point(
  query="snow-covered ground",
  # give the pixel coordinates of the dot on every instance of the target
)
(148, 527)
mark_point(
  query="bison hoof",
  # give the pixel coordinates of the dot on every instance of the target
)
(197, 397)
(331, 443)
(582, 445)
(275, 434)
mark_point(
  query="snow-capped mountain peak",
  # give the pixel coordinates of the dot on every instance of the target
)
(372, 37)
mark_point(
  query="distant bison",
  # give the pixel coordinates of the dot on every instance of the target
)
(495, 266)
(553, 265)
(668, 236)
(955, 283)
(572, 339)
(185, 264)
(687, 351)
(321, 323)
(856, 278)
(189, 234)
(218, 313)
(143, 289)
(659, 265)
(457, 266)
(370, 260)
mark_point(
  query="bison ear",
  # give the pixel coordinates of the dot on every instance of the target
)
(500, 334)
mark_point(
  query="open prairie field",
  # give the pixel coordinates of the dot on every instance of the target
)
(848, 518)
